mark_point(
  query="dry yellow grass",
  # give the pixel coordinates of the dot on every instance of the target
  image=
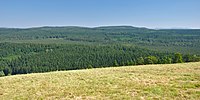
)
(170, 81)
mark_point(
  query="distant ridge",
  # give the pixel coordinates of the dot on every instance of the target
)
(122, 27)
(100, 27)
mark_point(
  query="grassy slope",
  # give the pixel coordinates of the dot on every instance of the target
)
(175, 81)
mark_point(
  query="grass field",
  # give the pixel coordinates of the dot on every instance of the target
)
(170, 81)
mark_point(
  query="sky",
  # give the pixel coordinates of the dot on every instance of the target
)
(93, 13)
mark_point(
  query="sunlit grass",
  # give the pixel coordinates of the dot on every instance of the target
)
(170, 81)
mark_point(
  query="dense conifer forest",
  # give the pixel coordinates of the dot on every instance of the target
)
(47, 49)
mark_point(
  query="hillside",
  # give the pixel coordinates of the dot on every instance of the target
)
(173, 40)
(169, 81)
(45, 49)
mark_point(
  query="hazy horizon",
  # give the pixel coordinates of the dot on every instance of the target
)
(99, 26)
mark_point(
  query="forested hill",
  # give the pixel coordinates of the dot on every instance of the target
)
(174, 40)
(47, 49)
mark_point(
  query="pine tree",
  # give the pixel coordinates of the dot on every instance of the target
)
(178, 58)
(7, 71)
(140, 61)
(116, 63)
(2, 73)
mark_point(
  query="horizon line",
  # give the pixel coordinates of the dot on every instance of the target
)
(96, 26)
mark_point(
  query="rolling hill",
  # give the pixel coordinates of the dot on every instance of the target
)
(169, 81)
(173, 40)
(44, 49)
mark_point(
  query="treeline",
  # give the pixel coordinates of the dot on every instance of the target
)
(33, 58)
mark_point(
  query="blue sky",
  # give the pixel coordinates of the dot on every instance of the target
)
(142, 13)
